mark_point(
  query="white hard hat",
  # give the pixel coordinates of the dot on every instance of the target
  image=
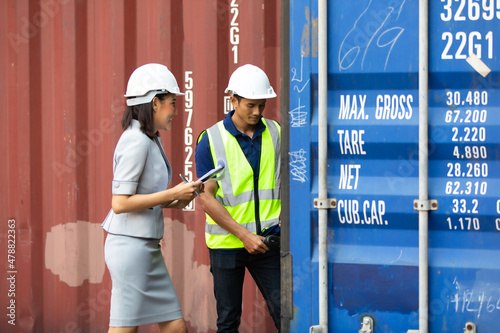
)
(249, 81)
(147, 81)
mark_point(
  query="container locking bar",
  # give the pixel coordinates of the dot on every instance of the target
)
(425, 205)
(330, 203)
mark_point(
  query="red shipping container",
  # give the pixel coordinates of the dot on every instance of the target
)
(64, 66)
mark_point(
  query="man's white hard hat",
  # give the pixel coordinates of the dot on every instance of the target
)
(249, 81)
(149, 80)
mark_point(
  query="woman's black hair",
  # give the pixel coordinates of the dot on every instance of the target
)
(144, 114)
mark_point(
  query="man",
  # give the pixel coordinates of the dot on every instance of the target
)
(244, 207)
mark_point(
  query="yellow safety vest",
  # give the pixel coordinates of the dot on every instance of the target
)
(237, 189)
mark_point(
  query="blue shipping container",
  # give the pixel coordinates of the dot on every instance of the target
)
(373, 164)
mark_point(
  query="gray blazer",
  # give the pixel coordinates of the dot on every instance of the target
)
(140, 166)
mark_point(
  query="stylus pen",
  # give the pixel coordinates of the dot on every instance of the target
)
(184, 179)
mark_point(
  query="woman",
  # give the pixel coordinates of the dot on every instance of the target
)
(142, 291)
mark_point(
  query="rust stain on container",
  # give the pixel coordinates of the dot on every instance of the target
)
(64, 67)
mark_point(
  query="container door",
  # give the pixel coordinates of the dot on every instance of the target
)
(373, 164)
(464, 165)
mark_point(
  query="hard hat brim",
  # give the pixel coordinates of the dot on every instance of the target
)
(136, 100)
(272, 94)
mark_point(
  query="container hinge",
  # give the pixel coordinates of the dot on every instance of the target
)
(330, 203)
(470, 327)
(366, 325)
(425, 204)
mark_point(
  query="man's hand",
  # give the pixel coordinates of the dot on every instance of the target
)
(254, 244)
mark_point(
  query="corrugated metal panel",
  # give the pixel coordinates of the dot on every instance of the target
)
(373, 169)
(64, 67)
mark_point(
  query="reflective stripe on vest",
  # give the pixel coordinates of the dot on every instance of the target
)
(236, 189)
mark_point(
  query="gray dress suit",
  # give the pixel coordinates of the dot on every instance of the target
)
(142, 291)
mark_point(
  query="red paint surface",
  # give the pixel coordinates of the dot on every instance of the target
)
(64, 67)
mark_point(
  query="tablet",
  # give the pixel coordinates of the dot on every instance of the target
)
(206, 177)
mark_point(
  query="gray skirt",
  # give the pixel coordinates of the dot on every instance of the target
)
(142, 291)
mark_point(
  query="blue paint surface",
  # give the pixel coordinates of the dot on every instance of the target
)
(358, 288)
(373, 166)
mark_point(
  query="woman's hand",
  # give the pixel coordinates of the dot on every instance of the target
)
(188, 191)
(184, 194)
